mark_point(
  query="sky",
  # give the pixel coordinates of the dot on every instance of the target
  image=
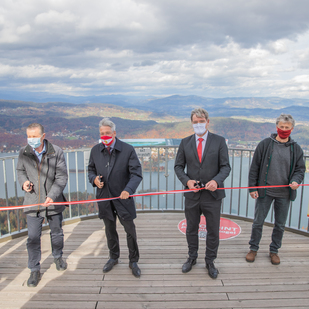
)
(210, 48)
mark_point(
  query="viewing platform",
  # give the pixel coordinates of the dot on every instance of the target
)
(163, 250)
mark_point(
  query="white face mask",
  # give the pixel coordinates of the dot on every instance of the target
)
(199, 128)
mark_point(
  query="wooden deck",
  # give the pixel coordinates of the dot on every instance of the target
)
(163, 250)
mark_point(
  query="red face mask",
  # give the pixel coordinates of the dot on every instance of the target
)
(107, 140)
(283, 133)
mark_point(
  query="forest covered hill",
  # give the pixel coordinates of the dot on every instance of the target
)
(76, 125)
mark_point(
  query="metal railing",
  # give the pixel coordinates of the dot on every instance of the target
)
(158, 175)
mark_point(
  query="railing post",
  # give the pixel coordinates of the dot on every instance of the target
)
(166, 176)
(16, 196)
(239, 191)
(247, 202)
(232, 182)
(85, 180)
(69, 184)
(77, 186)
(142, 163)
(6, 196)
(150, 178)
(158, 177)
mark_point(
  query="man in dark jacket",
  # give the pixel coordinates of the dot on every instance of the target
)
(202, 158)
(42, 174)
(115, 170)
(277, 160)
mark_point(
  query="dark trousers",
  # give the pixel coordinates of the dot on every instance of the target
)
(210, 208)
(262, 207)
(34, 238)
(113, 240)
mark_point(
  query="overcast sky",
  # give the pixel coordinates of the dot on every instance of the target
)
(212, 48)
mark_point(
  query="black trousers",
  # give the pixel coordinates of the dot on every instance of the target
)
(34, 238)
(113, 239)
(210, 208)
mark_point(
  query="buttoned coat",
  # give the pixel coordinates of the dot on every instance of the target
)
(120, 171)
(214, 166)
(49, 178)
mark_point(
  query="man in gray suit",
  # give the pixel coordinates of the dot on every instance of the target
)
(42, 174)
(205, 157)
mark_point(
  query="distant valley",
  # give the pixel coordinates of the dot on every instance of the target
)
(72, 125)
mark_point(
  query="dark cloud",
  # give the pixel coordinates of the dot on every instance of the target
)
(146, 46)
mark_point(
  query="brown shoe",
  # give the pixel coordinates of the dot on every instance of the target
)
(250, 257)
(274, 258)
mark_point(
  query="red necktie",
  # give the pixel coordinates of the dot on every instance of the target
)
(108, 149)
(199, 149)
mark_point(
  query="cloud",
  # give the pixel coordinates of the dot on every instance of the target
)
(211, 48)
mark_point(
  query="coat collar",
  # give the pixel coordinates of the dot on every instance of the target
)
(28, 151)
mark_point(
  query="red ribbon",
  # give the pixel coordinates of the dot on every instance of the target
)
(142, 194)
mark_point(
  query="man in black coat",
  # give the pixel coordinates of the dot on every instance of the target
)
(277, 160)
(115, 170)
(205, 157)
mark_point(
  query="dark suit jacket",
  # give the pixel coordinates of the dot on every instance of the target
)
(121, 171)
(214, 166)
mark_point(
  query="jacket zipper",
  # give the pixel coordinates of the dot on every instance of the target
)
(39, 182)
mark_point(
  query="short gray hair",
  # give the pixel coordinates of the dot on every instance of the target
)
(108, 123)
(285, 118)
(36, 125)
(200, 113)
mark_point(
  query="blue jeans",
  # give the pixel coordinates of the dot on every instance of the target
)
(281, 210)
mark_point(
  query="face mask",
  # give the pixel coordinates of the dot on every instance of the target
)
(107, 140)
(283, 133)
(34, 142)
(199, 128)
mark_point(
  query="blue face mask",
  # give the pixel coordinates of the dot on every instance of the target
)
(34, 142)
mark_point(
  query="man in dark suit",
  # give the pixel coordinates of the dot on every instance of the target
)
(204, 155)
(115, 170)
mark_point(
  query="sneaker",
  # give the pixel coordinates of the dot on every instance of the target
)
(274, 258)
(34, 279)
(250, 257)
(61, 265)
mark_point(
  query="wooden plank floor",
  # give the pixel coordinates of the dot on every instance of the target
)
(163, 250)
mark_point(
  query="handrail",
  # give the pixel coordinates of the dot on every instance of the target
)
(158, 175)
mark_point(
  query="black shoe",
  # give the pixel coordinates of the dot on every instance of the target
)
(212, 270)
(186, 267)
(34, 279)
(109, 265)
(135, 269)
(61, 265)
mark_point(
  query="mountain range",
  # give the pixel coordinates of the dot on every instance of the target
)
(75, 124)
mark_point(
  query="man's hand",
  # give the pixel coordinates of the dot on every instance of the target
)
(294, 185)
(98, 182)
(211, 185)
(47, 202)
(28, 186)
(124, 195)
(191, 184)
(254, 194)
